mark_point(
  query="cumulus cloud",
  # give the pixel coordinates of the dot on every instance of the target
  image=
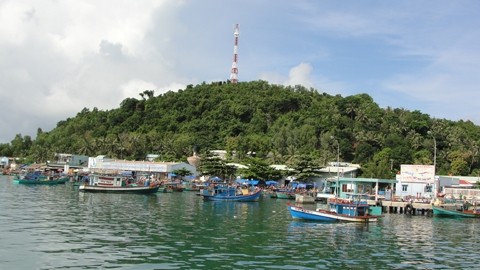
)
(298, 75)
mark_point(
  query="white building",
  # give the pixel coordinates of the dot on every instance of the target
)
(101, 163)
(416, 181)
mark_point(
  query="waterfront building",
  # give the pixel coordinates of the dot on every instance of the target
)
(375, 188)
(416, 182)
(162, 169)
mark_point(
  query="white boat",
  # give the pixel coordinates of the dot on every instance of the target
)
(116, 184)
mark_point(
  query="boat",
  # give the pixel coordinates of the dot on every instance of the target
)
(287, 195)
(191, 186)
(117, 184)
(40, 178)
(42, 181)
(304, 198)
(454, 211)
(231, 193)
(348, 210)
(324, 197)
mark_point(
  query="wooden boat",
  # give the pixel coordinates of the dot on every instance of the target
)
(285, 195)
(116, 184)
(329, 216)
(165, 189)
(454, 212)
(192, 186)
(350, 210)
(42, 181)
(220, 193)
(40, 178)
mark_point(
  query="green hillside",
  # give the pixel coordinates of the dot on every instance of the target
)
(275, 123)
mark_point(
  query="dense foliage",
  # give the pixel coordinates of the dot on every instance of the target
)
(277, 124)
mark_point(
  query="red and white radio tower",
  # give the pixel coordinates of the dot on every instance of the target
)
(234, 73)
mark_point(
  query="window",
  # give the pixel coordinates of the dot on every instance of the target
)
(428, 188)
(404, 187)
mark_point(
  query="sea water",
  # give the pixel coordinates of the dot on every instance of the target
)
(58, 227)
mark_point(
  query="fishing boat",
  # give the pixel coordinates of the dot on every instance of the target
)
(42, 181)
(40, 178)
(348, 210)
(287, 195)
(454, 211)
(192, 186)
(117, 184)
(231, 193)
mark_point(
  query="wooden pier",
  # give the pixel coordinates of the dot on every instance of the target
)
(413, 208)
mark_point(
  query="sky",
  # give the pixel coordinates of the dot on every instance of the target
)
(58, 57)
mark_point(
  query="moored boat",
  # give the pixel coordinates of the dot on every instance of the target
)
(454, 212)
(328, 216)
(42, 181)
(116, 184)
(349, 210)
(41, 178)
(227, 193)
(287, 195)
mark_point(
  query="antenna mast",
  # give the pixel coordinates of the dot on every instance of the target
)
(234, 73)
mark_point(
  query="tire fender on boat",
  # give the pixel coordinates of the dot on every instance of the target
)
(409, 208)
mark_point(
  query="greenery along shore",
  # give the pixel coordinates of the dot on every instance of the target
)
(281, 125)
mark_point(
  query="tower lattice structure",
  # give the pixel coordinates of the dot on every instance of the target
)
(234, 72)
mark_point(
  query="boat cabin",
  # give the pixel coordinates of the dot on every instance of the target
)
(109, 180)
(353, 205)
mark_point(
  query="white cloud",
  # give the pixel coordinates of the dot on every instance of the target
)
(298, 75)
(134, 87)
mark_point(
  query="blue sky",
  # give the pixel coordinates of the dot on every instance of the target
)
(59, 57)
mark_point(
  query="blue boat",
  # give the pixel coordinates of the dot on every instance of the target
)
(231, 193)
(340, 210)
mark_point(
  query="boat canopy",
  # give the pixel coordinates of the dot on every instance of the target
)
(271, 183)
(247, 182)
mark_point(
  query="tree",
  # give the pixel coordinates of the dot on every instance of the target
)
(379, 166)
(305, 167)
(182, 172)
(213, 165)
(260, 170)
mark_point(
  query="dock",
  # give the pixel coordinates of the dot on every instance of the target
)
(398, 207)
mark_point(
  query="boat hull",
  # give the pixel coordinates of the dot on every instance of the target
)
(136, 190)
(285, 196)
(439, 211)
(327, 216)
(234, 198)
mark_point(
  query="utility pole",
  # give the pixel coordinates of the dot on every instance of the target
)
(338, 165)
(434, 163)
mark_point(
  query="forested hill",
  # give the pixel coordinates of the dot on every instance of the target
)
(279, 124)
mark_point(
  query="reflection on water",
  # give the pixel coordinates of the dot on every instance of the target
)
(49, 227)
